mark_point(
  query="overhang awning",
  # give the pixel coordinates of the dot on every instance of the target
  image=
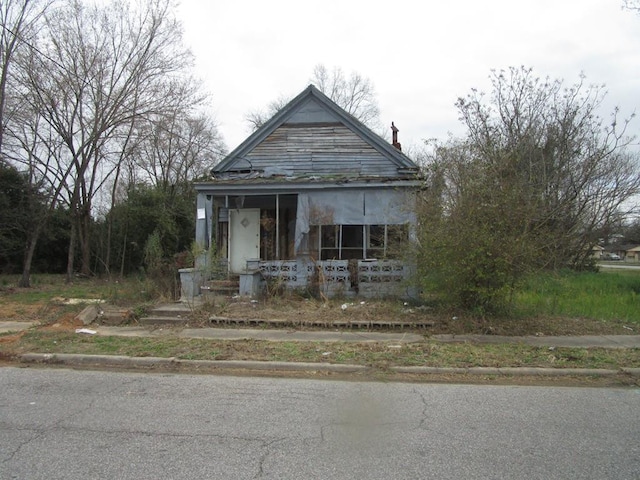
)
(352, 207)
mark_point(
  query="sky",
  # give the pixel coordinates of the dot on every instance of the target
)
(420, 55)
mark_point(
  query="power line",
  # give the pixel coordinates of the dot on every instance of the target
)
(32, 46)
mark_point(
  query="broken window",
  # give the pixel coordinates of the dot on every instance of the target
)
(346, 242)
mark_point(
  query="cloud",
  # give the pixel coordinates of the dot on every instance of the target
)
(420, 56)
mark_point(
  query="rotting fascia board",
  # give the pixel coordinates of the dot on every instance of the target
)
(284, 187)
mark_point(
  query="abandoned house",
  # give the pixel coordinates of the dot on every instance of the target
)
(313, 197)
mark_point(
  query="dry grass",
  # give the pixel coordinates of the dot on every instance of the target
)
(304, 312)
(380, 355)
(39, 303)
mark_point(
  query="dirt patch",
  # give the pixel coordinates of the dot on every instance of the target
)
(12, 338)
(19, 312)
(8, 344)
(66, 322)
(45, 310)
(305, 312)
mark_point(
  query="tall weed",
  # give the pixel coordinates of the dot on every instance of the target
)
(596, 295)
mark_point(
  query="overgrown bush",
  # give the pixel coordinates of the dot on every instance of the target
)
(160, 270)
(531, 187)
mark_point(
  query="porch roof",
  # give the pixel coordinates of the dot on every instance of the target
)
(261, 186)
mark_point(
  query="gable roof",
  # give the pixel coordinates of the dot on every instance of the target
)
(311, 108)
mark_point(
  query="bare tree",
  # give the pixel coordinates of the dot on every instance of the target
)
(103, 70)
(36, 150)
(570, 166)
(256, 118)
(355, 94)
(177, 149)
(18, 21)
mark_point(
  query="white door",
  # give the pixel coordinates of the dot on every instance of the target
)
(244, 238)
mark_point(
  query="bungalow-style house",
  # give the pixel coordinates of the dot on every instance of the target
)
(597, 251)
(313, 197)
(633, 254)
(626, 252)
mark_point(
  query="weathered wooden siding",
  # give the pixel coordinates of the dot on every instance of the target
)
(312, 112)
(320, 149)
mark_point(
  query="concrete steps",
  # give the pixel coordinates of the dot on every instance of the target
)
(221, 288)
(174, 314)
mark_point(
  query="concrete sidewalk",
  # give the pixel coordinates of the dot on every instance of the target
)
(274, 335)
(109, 361)
(8, 327)
(288, 335)
(584, 341)
(282, 335)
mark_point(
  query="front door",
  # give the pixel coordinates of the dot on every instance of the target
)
(244, 238)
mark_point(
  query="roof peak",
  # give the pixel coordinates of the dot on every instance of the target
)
(292, 111)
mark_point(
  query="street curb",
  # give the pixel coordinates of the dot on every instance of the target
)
(104, 360)
(516, 371)
(119, 360)
(133, 362)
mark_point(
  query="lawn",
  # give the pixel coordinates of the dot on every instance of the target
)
(610, 296)
(565, 304)
(569, 303)
(379, 355)
(45, 287)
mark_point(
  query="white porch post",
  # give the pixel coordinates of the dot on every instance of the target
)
(277, 226)
(201, 220)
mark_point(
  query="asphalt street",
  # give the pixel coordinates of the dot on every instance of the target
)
(70, 424)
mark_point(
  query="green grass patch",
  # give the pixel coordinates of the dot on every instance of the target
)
(125, 292)
(373, 354)
(606, 295)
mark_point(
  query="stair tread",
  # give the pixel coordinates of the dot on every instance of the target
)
(162, 320)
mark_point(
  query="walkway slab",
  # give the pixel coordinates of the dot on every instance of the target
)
(595, 341)
(134, 331)
(6, 327)
(274, 335)
(284, 335)
(298, 336)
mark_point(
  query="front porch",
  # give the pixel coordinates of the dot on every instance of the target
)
(365, 278)
(330, 239)
(329, 278)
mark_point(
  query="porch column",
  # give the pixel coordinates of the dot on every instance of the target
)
(204, 222)
(201, 221)
(301, 242)
(277, 226)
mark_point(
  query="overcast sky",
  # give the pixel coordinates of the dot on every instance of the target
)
(420, 55)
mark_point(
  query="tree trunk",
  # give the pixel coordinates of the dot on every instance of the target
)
(124, 252)
(25, 279)
(72, 252)
(85, 243)
(107, 255)
(107, 260)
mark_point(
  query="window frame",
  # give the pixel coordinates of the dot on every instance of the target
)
(367, 245)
